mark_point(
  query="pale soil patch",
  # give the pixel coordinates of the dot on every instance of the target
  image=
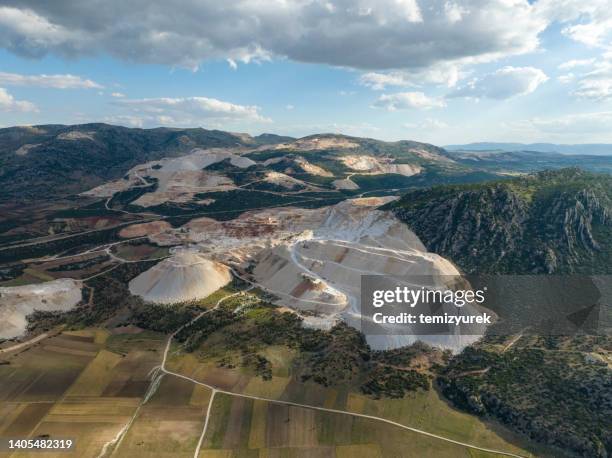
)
(140, 230)
(109, 189)
(345, 183)
(17, 302)
(378, 165)
(280, 179)
(316, 143)
(76, 135)
(360, 163)
(25, 149)
(182, 185)
(312, 168)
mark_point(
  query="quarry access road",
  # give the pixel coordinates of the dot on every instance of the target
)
(216, 391)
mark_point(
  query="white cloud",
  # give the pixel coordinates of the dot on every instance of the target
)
(117, 95)
(405, 100)
(574, 128)
(567, 78)
(125, 120)
(441, 74)
(8, 103)
(380, 34)
(289, 107)
(454, 11)
(427, 124)
(594, 33)
(25, 32)
(596, 84)
(575, 63)
(380, 81)
(357, 129)
(504, 83)
(588, 22)
(66, 81)
(189, 111)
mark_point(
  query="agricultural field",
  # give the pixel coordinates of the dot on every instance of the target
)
(246, 427)
(216, 364)
(169, 423)
(73, 386)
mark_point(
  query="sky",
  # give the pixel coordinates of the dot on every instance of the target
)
(438, 71)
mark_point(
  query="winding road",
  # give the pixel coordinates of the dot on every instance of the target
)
(215, 391)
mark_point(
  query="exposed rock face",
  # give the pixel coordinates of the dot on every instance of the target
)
(184, 277)
(551, 222)
(17, 302)
(378, 165)
(312, 260)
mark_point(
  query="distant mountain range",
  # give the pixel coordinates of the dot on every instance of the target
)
(586, 148)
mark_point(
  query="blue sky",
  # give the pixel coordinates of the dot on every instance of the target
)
(437, 71)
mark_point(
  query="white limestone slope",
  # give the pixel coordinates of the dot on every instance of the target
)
(321, 270)
(375, 165)
(179, 179)
(184, 277)
(17, 302)
(312, 260)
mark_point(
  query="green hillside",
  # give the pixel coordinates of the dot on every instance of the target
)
(554, 389)
(548, 222)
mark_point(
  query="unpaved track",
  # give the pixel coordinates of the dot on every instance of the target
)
(216, 390)
(26, 343)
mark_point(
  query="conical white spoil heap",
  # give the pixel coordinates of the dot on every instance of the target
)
(184, 277)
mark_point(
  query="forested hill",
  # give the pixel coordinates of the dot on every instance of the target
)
(548, 222)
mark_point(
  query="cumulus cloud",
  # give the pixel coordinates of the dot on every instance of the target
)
(66, 81)
(504, 83)
(575, 63)
(117, 95)
(8, 103)
(588, 22)
(596, 84)
(441, 74)
(380, 34)
(406, 100)
(187, 111)
(566, 78)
